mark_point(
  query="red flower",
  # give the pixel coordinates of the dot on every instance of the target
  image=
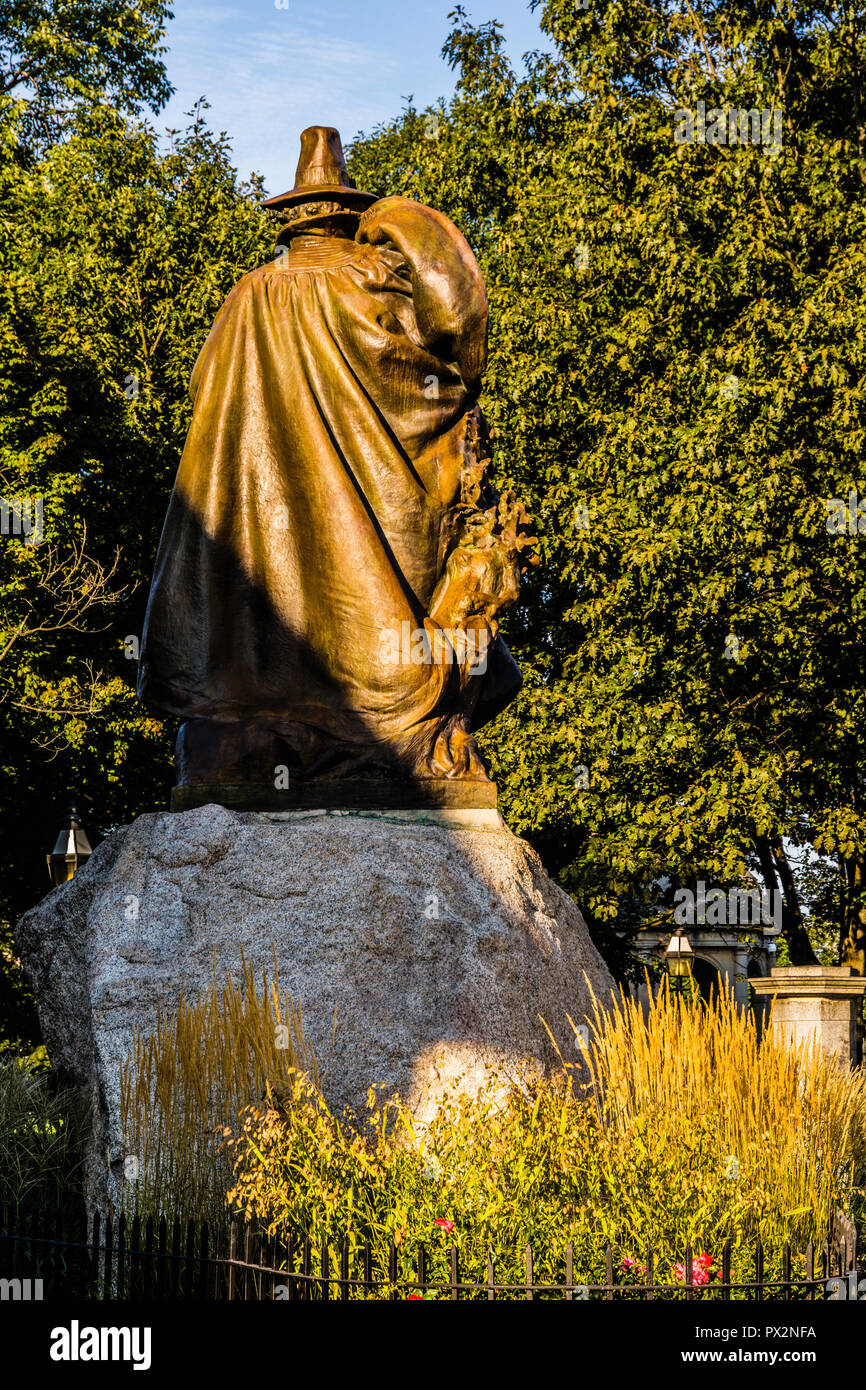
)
(419, 1297)
(701, 1266)
(447, 1226)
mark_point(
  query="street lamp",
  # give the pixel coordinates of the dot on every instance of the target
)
(679, 956)
(71, 848)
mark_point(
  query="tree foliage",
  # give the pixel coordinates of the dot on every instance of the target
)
(676, 384)
(676, 381)
(115, 258)
(59, 55)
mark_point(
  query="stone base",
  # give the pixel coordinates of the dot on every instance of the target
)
(816, 1002)
(340, 794)
(437, 936)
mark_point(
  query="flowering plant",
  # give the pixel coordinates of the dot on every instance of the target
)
(701, 1269)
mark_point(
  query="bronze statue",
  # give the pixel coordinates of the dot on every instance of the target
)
(333, 561)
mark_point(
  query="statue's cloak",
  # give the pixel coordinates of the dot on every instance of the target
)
(309, 514)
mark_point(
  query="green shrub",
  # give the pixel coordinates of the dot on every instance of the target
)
(42, 1130)
(680, 1131)
(676, 1129)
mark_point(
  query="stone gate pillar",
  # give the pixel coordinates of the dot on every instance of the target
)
(818, 1001)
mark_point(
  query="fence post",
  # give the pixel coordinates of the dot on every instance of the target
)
(148, 1262)
(650, 1274)
(220, 1287)
(344, 1271)
(528, 1268)
(258, 1258)
(202, 1260)
(160, 1260)
(20, 1249)
(233, 1254)
(189, 1267)
(108, 1273)
(19, 1232)
(569, 1273)
(325, 1270)
(786, 1271)
(759, 1270)
(455, 1274)
(7, 1232)
(608, 1271)
(121, 1256)
(92, 1253)
(248, 1260)
(726, 1271)
(45, 1266)
(810, 1270)
(275, 1276)
(175, 1263)
(77, 1225)
(135, 1259)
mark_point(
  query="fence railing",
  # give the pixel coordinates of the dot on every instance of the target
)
(94, 1257)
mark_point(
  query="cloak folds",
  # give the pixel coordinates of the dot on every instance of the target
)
(313, 512)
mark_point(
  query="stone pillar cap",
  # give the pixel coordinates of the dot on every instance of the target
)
(811, 979)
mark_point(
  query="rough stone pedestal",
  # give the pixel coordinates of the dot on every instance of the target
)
(437, 935)
(816, 1001)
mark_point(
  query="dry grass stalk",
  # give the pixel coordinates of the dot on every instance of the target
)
(184, 1086)
(792, 1121)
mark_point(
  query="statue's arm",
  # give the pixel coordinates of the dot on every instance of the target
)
(447, 287)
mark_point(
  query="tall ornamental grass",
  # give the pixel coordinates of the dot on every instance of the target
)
(678, 1129)
(785, 1125)
(186, 1084)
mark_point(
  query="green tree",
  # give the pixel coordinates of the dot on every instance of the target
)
(676, 382)
(115, 257)
(59, 55)
(56, 59)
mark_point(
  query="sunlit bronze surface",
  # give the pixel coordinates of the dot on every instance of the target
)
(331, 509)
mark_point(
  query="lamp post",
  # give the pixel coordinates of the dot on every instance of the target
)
(679, 956)
(71, 848)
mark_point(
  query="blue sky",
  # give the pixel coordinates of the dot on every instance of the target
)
(268, 72)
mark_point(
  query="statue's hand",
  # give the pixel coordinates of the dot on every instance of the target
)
(483, 568)
(447, 287)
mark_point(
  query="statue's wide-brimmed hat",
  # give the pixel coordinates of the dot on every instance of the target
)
(322, 174)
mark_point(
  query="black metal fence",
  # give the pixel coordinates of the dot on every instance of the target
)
(93, 1257)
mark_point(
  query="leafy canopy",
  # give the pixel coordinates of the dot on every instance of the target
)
(676, 379)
